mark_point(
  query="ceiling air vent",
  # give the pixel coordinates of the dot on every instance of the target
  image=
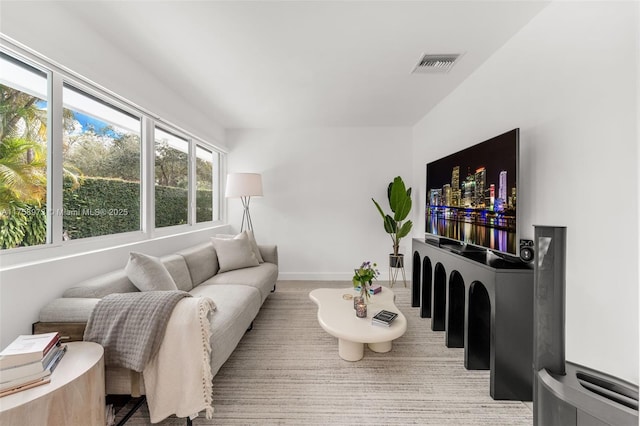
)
(436, 63)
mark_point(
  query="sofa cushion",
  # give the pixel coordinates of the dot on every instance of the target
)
(101, 285)
(262, 277)
(202, 261)
(234, 253)
(68, 309)
(147, 273)
(177, 267)
(236, 307)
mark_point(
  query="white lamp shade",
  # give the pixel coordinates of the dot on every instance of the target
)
(243, 185)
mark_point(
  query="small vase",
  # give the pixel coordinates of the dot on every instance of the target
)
(364, 292)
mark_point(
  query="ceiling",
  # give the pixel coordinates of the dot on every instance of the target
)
(306, 63)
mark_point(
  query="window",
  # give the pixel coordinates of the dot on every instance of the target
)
(205, 161)
(172, 179)
(101, 152)
(23, 154)
(91, 174)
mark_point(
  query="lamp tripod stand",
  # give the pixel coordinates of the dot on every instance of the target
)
(246, 216)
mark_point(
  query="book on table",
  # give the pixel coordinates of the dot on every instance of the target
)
(40, 370)
(22, 381)
(27, 349)
(25, 386)
(33, 379)
(384, 318)
(29, 361)
(23, 370)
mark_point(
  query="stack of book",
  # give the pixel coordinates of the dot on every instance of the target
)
(384, 318)
(374, 289)
(29, 361)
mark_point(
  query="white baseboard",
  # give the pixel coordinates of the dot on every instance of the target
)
(315, 276)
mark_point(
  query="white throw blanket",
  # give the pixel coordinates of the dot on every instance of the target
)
(178, 379)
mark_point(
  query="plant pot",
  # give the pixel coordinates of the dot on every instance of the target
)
(396, 261)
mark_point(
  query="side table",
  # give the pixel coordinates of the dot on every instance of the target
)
(75, 395)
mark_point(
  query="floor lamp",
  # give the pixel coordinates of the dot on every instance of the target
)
(244, 186)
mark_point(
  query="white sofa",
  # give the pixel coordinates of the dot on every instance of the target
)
(238, 295)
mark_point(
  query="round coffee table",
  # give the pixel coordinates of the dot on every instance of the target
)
(338, 318)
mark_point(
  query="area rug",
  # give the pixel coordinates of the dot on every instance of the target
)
(286, 371)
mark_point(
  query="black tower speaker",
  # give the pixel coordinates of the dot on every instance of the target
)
(548, 305)
(548, 298)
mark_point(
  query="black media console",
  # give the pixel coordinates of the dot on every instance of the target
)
(483, 303)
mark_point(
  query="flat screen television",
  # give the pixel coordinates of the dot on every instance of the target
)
(472, 197)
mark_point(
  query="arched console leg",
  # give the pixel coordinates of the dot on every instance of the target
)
(478, 352)
(427, 288)
(438, 309)
(455, 312)
(415, 281)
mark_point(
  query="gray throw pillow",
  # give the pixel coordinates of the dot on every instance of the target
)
(234, 253)
(252, 242)
(148, 273)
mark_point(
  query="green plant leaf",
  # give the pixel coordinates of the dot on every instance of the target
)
(403, 210)
(405, 229)
(390, 225)
(397, 194)
(379, 208)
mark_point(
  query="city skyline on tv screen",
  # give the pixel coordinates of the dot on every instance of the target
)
(472, 195)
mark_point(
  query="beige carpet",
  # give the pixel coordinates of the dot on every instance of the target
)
(286, 371)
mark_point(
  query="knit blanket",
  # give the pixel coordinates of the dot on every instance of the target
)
(131, 326)
(178, 379)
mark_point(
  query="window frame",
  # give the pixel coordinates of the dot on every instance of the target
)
(55, 247)
(215, 166)
(92, 92)
(48, 74)
(175, 133)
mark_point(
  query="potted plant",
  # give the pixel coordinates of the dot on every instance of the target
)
(396, 226)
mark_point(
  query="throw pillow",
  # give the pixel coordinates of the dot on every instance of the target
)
(252, 242)
(148, 273)
(227, 236)
(234, 253)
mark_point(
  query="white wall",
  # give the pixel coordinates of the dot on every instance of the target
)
(318, 185)
(569, 81)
